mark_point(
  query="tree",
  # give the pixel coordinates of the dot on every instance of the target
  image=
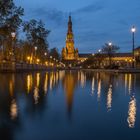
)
(10, 20)
(10, 16)
(54, 53)
(94, 61)
(109, 49)
(36, 35)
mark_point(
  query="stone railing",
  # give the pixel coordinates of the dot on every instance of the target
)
(13, 67)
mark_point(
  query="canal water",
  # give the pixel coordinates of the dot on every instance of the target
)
(69, 105)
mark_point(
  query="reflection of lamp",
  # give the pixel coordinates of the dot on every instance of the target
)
(13, 110)
(132, 113)
(109, 98)
(29, 83)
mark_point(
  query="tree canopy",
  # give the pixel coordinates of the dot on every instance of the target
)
(35, 32)
(10, 17)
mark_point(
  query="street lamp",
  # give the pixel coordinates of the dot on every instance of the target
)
(13, 35)
(133, 30)
(110, 47)
(45, 54)
(110, 44)
(99, 50)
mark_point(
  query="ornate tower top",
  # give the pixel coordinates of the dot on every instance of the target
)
(70, 25)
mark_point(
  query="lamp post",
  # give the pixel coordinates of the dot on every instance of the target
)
(13, 35)
(50, 60)
(133, 30)
(2, 47)
(110, 52)
(45, 54)
(35, 52)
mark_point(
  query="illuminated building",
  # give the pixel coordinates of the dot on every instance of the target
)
(69, 52)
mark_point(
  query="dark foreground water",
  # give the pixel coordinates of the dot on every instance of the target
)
(69, 105)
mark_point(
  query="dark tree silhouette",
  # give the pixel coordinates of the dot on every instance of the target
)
(54, 53)
(36, 35)
(109, 50)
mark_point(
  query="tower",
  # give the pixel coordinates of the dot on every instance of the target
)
(69, 52)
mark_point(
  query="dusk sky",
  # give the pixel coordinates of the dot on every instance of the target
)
(94, 21)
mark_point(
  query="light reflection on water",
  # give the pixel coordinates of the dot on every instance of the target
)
(14, 109)
(109, 98)
(132, 112)
(41, 91)
(92, 88)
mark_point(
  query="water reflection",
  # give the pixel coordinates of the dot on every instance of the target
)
(82, 78)
(109, 98)
(132, 112)
(93, 86)
(99, 89)
(13, 109)
(69, 83)
(28, 96)
(36, 89)
(12, 85)
(29, 83)
(46, 83)
(130, 84)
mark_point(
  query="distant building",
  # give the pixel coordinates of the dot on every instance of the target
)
(69, 53)
(84, 56)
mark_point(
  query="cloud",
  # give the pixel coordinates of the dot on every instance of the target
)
(55, 16)
(90, 36)
(123, 22)
(94, 7)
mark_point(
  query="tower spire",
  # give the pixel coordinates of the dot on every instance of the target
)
(70, 24)
(69, 52)
(69, 16)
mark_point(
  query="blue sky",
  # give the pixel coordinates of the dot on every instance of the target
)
(95, 22)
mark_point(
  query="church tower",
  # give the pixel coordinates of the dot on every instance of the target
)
(69, 52)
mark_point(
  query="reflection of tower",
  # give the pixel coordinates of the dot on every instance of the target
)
(69, 52)
(69, 83)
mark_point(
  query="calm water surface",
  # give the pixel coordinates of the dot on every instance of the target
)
(69, 105)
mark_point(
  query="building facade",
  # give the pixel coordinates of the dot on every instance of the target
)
(69, 52)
